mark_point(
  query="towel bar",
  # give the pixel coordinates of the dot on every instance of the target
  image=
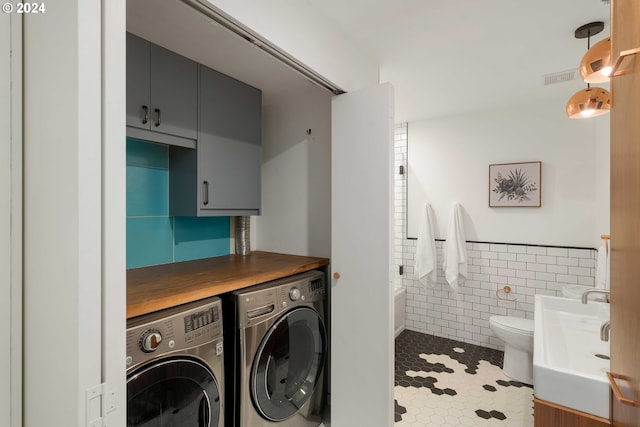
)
(616, 390)
(624, 54)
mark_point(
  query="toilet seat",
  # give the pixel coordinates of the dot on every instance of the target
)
(514, 324)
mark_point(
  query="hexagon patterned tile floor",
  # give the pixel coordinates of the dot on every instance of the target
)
(441, 382)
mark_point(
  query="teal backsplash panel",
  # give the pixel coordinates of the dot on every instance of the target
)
(200, 237)
(147, 191)
(149, 241)
(147, 154)
(152, 236)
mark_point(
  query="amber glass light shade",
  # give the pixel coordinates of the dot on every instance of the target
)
(595, 66)
(589, 102)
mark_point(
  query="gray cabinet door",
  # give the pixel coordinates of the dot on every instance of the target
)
(229, 143)
(138, 96)
(174, 93)
(162, 90)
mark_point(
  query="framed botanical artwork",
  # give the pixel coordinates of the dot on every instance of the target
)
(515, 185)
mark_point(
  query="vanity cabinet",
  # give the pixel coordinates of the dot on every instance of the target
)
(162, 93)
(223, 175)
(549, 414)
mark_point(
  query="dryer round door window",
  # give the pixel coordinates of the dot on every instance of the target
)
(173, 393)
(288, 364)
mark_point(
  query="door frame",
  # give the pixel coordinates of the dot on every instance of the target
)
(73, 264)
(11, 220)
(114, 264)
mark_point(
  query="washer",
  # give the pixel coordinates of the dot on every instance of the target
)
(175, 367)
(280, 344)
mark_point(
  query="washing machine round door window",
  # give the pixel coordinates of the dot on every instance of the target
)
(173, 393)
(288, 364)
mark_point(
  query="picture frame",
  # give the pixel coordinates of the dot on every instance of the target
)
(515, 185)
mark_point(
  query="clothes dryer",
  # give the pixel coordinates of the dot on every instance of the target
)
(277, 331)
(175, 367)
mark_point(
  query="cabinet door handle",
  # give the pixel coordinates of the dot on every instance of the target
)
(616, 390)
(205, 193)
(157, 117)
(145, 114)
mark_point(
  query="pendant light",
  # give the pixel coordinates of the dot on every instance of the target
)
(595, 66)
(591, 102)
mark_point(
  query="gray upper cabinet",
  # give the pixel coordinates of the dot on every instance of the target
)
(138, 86)
(229, 142)
(162, 92)
(227, 178)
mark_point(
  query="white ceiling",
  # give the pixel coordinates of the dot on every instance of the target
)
(445, 57)
(177, 27)
(442, 57)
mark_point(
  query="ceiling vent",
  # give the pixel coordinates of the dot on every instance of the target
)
(561, 77)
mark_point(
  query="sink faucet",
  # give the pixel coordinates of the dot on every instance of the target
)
(585, 294)
(604, 331)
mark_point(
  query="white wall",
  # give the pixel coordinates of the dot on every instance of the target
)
(62, 212)
(298, 29)
(448, 161)
(464, 315)
(602, 176)
(296, 175)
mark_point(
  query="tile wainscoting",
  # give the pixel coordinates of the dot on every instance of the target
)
(527, 269)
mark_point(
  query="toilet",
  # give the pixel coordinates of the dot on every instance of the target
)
(517, 334)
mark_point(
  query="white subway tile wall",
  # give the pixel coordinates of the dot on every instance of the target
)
(399, 234)
(528, 270)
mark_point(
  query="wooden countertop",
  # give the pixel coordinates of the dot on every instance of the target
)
(162, 286)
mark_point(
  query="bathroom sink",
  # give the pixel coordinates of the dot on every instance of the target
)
(570, 361)
(576, 291)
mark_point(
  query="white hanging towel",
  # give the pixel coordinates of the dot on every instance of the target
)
(455, 251)
(602, 268)
(426, 264)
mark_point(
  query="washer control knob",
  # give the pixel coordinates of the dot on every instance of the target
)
(294, 294)
(150, 340)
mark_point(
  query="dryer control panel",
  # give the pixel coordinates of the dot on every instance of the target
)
(174, 329)
(259, 303)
